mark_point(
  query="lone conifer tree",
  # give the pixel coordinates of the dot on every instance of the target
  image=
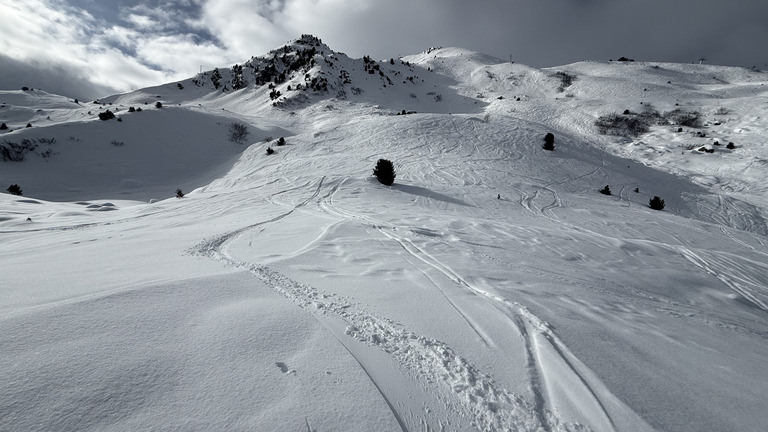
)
(238, 79)
(549, 141)
(656, 203)
(385, 172)
(216, 78)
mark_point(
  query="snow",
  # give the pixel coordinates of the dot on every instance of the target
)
(490, 288)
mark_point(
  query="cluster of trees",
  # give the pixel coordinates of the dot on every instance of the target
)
(14, 189)
(106, 115)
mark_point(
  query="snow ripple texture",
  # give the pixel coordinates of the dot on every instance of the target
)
(463, 388)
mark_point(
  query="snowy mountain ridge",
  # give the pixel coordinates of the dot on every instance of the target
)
(492, 287)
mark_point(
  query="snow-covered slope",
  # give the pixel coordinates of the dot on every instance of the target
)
(492, 287)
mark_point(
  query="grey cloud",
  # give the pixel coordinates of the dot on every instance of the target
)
(61, 80)
(171, 35)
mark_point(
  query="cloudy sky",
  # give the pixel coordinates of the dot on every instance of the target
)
(91, 48)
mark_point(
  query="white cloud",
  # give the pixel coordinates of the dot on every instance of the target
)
(179, 55)
(107, 55)
(142, 21)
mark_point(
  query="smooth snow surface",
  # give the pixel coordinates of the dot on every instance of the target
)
(492, 287)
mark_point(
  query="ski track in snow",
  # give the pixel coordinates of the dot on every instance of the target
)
(461, 387)
(729, 269)
(540, 341)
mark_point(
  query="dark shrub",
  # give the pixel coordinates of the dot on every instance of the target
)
(14, 152)
(549, 141)
(106, 115)
(614, 124)
(270, 150)
(626, 112)
(14, 189)
(238, 132)
(682, 118)
(730, 146)
(385, 172)
(3, 126)
(656, 203)
(281, 141)
(179, 193)
(131, 109)
(158, 104)
(606, 190)
(29, 125)
(565, 80)
(181, 87)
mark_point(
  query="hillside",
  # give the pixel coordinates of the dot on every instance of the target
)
(492, 287)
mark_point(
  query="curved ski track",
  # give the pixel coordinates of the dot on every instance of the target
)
(464, 390)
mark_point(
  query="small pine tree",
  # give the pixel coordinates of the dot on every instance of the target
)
(606, 190)
(216, 78)
(656, 203)
(158, 104)
(270, 150)
(14, 189)
(238, 80)
(385, 172)
(730, 145)
(179, 193)
(281, 141)
(3, 126)
(549, 142)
